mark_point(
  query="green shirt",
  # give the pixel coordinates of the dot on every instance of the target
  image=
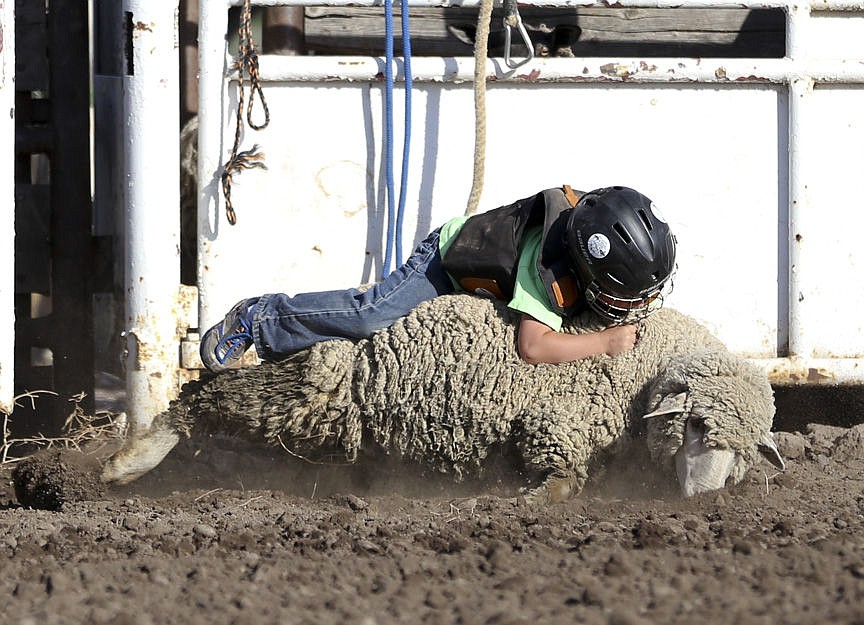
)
(529, 294)
(449, 232)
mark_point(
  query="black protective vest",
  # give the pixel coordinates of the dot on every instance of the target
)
(484, 254)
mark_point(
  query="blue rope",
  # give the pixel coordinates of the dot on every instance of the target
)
(406, 146)
(388, 131)
(394, 231)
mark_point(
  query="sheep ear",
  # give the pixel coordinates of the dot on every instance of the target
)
(768, 448)
(671, 404)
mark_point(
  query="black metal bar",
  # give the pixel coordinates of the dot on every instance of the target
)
(71, 210)
(283, 31)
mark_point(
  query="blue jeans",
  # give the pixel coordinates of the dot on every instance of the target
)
(282, 325)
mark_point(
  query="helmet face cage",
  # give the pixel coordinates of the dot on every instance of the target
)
(622, 310)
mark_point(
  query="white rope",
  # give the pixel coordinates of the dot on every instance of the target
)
(481, 41)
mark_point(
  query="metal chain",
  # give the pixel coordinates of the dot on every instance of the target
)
(247, 60)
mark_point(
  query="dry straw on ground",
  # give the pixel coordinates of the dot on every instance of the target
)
(79, 431)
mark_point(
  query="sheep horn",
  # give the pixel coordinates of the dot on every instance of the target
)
(671, 404)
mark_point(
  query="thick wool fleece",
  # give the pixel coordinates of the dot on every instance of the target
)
(445, 385)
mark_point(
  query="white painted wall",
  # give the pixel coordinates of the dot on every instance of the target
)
(314, 219)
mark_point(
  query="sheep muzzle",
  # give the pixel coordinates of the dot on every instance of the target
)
(701, 468)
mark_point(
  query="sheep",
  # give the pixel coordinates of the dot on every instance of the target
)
(445, 386)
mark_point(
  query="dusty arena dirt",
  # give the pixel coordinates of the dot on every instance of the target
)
(222, 533)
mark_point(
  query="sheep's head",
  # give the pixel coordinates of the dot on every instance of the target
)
(711, 412)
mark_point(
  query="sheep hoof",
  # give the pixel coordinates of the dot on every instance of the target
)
(558, 487)
(138, 456)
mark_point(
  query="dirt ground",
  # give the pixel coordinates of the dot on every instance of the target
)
(220, 533)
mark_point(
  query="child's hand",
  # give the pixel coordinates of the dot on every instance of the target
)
(619, 339)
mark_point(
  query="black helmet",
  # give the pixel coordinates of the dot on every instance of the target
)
(623, 253)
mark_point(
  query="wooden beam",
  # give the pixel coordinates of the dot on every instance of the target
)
(586, 32)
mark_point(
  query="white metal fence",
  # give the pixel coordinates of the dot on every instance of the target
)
(753, 161)
(756, 162)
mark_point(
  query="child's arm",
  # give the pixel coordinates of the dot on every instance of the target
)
(538, 343)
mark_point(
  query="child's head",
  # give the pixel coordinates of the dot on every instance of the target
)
(623, 252)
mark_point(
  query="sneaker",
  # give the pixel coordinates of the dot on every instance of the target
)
(223, 345)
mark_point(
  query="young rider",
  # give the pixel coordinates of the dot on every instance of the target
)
(551, 255)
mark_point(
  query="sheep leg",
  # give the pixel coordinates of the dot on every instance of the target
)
(557, 453)
(141, 452)
(559, 486)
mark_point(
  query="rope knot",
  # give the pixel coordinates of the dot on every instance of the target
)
(246, 62)
(247, 159)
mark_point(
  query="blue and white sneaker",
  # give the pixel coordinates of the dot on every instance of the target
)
(223, 345)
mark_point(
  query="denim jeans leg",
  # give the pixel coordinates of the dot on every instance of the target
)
(285, 324)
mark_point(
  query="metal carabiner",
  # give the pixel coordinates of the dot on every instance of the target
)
(512, 19)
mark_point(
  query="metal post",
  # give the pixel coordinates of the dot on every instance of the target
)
(7, 200)
(151, 99)
(284, 30)
(800, 89)
(212, 112)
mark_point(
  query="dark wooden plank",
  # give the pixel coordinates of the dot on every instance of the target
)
(585, 32)
(31, 59)
(103, 264)
(30, 139)
(32, 239)
(37, 415)
(71, 210)
(109, 38)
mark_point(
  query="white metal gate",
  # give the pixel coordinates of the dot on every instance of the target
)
(750, 159)
(768, 242)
